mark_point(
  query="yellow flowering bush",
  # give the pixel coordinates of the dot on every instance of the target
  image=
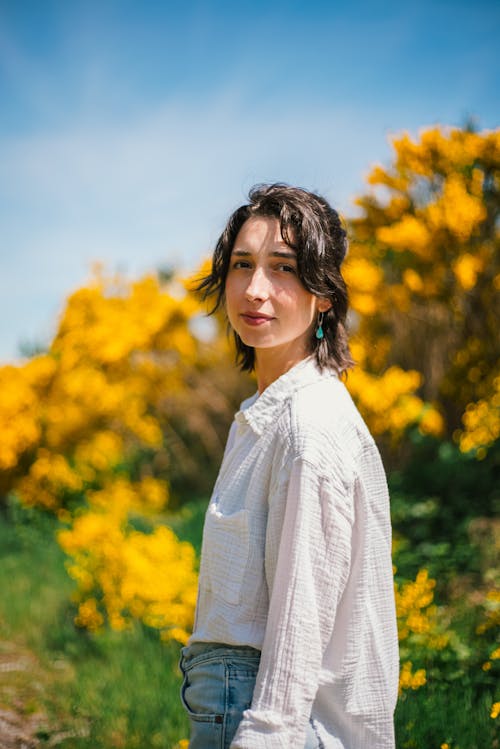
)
(389, 404)
(123, 574)
(481, 423)
(423, 272)
(122, 367)
(18, 406)
(421, 628)
(387, 398)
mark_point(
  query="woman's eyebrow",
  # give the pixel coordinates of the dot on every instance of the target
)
(291, 254)
(285, 253)
(241, 253)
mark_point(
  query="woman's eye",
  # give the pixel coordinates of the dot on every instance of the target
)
(241, 264)
(286, 268)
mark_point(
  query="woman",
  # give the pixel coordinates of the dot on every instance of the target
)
(294, 642)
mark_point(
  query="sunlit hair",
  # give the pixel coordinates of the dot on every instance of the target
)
(314, 230)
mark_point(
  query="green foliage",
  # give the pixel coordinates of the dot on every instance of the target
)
(188, 522)
(444, 506)
(118, 689)
(440, 714)
(433, 502)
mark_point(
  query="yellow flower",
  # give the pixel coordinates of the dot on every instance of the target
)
(481, 422)
(411, 680)
(431, 422)
(413, 280)
(466, 269)
(410, 233)
(495, 710)
(88, 615)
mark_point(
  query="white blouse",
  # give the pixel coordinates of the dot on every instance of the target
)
(296, 562)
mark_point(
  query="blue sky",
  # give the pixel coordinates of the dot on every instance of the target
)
(130, 130)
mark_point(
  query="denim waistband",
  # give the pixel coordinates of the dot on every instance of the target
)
(202, 650)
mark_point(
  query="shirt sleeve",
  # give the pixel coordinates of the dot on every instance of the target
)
(308, 552)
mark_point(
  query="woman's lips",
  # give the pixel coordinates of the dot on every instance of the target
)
(255, 318)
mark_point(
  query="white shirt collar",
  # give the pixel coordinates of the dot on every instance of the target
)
(259, 411)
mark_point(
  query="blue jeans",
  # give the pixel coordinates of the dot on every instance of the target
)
(218, 686)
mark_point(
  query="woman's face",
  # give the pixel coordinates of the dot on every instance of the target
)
(266, 303)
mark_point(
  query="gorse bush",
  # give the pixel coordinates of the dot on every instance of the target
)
(127, 574)
(109, 393)
(427, 242)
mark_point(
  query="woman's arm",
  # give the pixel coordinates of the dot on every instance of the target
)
(307, 564)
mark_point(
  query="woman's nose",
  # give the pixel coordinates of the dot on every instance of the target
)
(258, 285)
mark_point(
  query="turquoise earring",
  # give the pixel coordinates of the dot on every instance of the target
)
(319, 329)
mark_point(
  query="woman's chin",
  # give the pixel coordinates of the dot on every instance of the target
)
(254, 340)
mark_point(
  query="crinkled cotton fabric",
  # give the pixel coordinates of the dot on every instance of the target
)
(296, 562)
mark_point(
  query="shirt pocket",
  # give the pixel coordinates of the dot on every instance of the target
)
(227, 550)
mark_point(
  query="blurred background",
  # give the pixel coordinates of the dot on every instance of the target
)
(128, 133)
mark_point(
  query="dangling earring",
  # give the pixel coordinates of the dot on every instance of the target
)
(319, 329)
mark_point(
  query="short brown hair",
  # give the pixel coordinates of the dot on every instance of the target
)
(314, 230)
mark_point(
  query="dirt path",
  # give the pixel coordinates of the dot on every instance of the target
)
(24, 723)
(21, 717)
(18, 731)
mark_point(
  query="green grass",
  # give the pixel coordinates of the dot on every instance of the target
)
(110, 690)
(188, 522)
(457, 716)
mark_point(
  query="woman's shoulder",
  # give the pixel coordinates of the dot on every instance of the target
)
(325, 403)
(323, 420)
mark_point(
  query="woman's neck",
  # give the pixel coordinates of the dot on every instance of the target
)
(271, 363)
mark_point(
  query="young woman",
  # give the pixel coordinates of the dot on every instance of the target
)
(294, 643)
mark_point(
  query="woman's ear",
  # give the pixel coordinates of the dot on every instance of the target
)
(323, 305)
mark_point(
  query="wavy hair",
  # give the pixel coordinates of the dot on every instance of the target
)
(311, 227)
